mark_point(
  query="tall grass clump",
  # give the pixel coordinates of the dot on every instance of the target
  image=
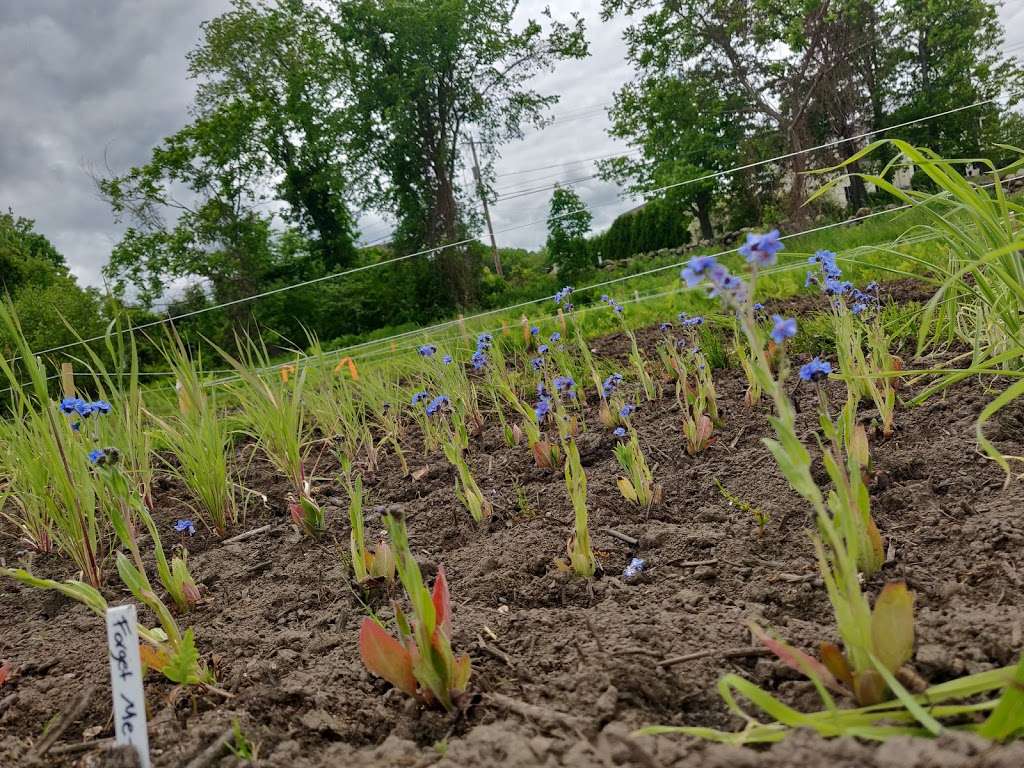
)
(200, 440)
(976, 266)
(272, 412)
(49, 462)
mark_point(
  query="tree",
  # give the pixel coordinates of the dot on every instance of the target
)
(687, 128)
(949, 56)
(568, 225)
(424, 71)
(218, 234)
(50, 304)
(275, 67)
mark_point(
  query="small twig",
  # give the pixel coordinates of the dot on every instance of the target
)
(82, 746)
(684, 563)
(736, 439)
(623, 537)
(70, 715)
(736, 653)
(248, 534)
(493, 652)
(215, 750)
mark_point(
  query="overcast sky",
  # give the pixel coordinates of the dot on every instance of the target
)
(89, 82)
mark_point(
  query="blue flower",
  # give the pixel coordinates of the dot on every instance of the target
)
(758, 308)
(83, 409)
(609, 385)
(859, 308)
(436, 405)
(619, 432)
(564, 384)
(871, 287)
(784, 328)
(427, 350)
(618, 309)
(479, 360)
(563, 294)
(811, 279)
(555, 337)
(543, 348)
(185, 526)
(762, 250)
(634, 569)
(605, 298)
(627, 410)
(67, 405)
(96, 455)
(483, 341)
(419, 397)
(816, 370)
(542, 409)
(542, 391)
(665, 326)
(534, 331)
(447, 359)
(693, 322)
(537, 363)
(102, 407)
(835, 287)
(827, 261)
(694, 271)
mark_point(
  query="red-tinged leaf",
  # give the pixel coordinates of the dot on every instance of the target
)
(835, 660)
(797, 659)
(892, 625)
(386, 657)
(442, 603)
(5, 672)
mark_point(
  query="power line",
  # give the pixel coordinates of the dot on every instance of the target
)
(466, 241)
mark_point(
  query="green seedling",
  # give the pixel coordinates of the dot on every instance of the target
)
(420, 661)
(638, 485)
(366, 564)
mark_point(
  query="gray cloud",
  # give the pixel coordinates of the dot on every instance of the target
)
(85, 82)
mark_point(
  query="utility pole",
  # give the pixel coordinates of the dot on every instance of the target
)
(487, 211)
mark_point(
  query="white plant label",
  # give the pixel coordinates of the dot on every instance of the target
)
(126, 681)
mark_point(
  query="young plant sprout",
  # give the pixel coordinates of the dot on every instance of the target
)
(420, 662)
(856, 324)
(638, 485)
(167, 649)
(581, 557)
(272, 412)
(636, 358)
(610, 404)
(123, 506)
(366, 564)
(466, 488)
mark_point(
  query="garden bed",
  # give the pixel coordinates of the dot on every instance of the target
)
(563, 668)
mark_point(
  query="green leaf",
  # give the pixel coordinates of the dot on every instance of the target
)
(892, 625)
(1007, 719)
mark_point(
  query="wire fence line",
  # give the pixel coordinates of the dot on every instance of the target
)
(429, 251)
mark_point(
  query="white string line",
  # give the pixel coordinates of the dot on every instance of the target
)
(602, 284)
(758, 163)
(466, 241)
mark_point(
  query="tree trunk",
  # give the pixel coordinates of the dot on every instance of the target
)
(703, 209)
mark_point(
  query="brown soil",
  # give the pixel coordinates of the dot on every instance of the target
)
(564, 669)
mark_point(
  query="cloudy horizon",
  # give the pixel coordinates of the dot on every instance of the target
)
(87, 86)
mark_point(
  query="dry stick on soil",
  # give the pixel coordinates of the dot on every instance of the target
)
(70, 715)
(684, 563)
(736, 653)
(215, 750)
(248, 534)
(623, 537)
(82, 746)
